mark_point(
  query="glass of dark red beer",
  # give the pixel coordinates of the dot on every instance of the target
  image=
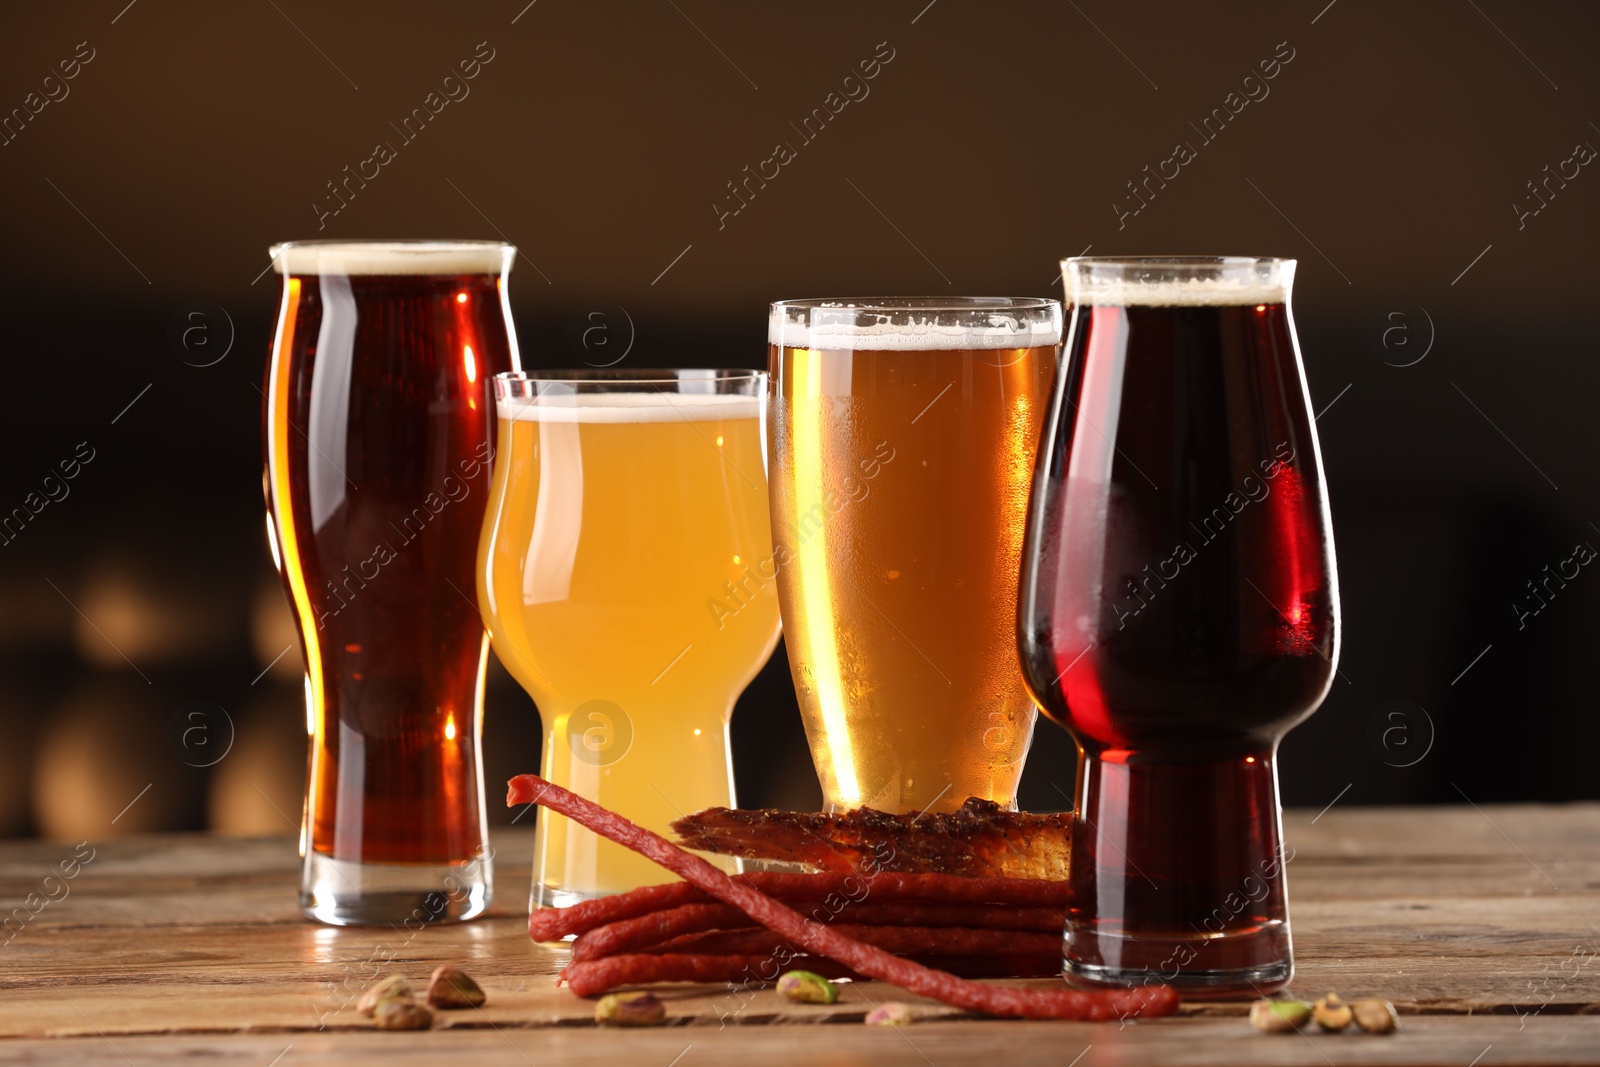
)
(378, 421)
(1179, 611)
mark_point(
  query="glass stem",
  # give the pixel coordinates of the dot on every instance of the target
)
(1178, 875)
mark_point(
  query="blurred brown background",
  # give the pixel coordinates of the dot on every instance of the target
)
(1449, 334)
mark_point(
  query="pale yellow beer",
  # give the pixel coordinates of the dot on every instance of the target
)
(619, 574)
(902, 453)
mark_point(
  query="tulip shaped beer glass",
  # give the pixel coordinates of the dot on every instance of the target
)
(625, 573)
(1179, 612)
(377, 416)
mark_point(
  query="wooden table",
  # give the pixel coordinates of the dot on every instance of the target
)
(1482, 925)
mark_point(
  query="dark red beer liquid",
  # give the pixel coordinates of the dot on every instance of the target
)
(382, 568)
(1178, 617)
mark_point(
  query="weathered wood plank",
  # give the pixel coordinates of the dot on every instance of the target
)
(1482, 1041)
(179, 945)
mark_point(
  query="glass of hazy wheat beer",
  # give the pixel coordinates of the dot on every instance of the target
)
(625, 576)
(378, 418)
(902, 449)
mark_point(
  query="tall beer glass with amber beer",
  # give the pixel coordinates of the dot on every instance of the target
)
(377, 416)
(902, 450)
(625, 574)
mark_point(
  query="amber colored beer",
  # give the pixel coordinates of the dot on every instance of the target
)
(621, 580)
(902, 458)
(377, 416)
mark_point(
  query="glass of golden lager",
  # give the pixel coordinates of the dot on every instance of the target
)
(625, 575)
(904, 434)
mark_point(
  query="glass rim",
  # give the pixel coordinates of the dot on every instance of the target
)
(405, 256)
(916, 323)
(871, 304)
(607, 376)
(396, 244)
(1171, 281)
(1175, 262)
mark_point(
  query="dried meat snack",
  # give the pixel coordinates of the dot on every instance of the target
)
(640, 933)
(553, 924)
(821, 940)
(980, 839)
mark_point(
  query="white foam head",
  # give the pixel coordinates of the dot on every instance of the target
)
(1177, 282)
(848, 326)
(649, 406)
(392, 257)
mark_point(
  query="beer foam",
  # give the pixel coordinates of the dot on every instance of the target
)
(1003, 331)
(629, 407)
(392, 257)
(1187, 292)
(1177, 281)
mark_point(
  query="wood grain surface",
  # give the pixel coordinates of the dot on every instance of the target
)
(1482, 925)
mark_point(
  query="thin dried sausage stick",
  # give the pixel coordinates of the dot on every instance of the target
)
(646, 931)
(833, 889)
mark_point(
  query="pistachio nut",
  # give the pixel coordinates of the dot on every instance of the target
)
(394, 987)
(451, 987)
(629, 1009)
(1279, 1016)
(1331, 1013)
(808, 988)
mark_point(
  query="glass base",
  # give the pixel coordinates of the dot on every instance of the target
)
(1192, 985)
(543, 897)
(1251, 963)
(342, 893)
